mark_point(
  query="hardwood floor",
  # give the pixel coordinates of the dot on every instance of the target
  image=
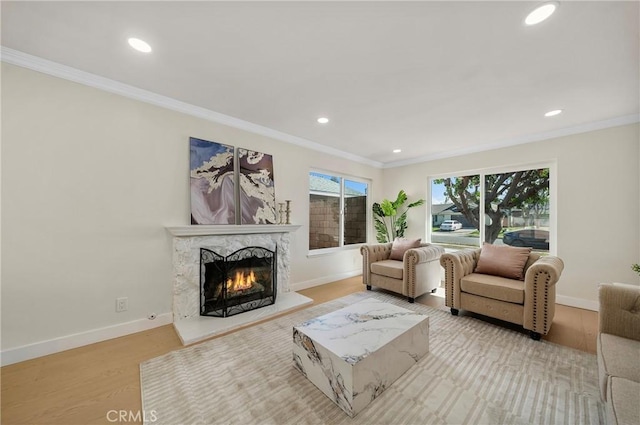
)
(97, 383)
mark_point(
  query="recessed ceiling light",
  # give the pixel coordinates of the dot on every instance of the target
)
(139, 45)
(323, 120)
(553, 113)
(541, 13)
(397, 150)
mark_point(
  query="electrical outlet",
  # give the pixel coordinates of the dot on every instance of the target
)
(122, 304)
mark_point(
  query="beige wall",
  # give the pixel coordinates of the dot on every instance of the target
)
(598, 215)
(89, 182)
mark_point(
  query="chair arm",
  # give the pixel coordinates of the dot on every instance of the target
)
(371, 254)
(423, 254)
(619, 310)
(540, 293)
(461, 263)
(421, 269)
(545, 270)
(456, 266)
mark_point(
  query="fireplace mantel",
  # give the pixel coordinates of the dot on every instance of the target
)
(225, 239)
(230, 229)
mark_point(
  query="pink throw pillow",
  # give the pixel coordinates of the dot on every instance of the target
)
(503, 260)
(401, 245)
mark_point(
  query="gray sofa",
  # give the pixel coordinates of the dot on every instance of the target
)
(618, 348)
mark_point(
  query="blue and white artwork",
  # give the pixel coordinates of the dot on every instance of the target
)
(257, 191)
(212, 183)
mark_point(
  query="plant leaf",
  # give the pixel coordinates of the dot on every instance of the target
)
(416, 204)
(401, 199)
(388, 208)
(381, 230)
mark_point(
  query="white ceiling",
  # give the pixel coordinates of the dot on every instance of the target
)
(434, 79)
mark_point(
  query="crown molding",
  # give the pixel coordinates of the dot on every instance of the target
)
(45, 66)
(568, 131)
(55, 69)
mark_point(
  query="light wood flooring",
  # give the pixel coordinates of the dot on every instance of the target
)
(81, 386)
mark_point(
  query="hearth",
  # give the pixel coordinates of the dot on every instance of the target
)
(242, 281)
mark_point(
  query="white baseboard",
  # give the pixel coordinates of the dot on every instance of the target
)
(39, 349)
(577, 302)
(325, 279)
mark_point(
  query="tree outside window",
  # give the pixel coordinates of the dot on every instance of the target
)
(515, 207)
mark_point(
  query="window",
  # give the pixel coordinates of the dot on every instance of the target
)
(455, 199)
(337, 211)
(516, 209)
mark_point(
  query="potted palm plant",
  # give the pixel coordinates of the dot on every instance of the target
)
(390, 217)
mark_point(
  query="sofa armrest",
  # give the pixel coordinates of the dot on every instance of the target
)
(371, 254)
(540, 293)
(422, 269)
(456, 266)
(619, 310)
(546, 270)
(550, 265)
(423, 254)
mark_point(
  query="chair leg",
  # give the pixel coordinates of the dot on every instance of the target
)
(454, 311)
(368, 287)
(411, 300)
(534, 335)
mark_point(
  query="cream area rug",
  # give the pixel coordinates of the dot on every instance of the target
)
(474, 373)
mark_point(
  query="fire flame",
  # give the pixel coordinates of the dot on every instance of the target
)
(241, 281)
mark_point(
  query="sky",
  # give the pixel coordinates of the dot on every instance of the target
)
(437, 193)
(360, 187)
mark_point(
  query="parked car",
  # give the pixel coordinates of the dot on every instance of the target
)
(533, 238)
(450, 225)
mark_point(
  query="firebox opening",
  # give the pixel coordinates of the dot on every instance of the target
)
(242, 281)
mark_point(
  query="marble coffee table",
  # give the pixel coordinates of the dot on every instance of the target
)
(353, 354)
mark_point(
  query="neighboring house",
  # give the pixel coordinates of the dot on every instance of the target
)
(512, 218)
(447, 211)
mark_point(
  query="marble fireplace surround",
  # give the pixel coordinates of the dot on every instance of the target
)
(225, 239)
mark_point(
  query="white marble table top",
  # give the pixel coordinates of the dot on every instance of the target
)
(354, 332)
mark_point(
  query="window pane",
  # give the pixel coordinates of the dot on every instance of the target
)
(455, 211)
(516, 208)
(355, 212)
(324, 211)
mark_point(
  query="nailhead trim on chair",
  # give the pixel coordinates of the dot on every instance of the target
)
(546, 303)
(545, 312)
(410, 274)
(535, 303)
(449, 282)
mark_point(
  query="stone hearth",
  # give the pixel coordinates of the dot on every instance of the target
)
(225, 239)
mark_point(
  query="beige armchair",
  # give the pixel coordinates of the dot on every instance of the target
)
(417, 273)
(619, 351)
(529, 302)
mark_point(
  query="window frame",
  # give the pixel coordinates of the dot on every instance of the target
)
(369, 215)
(553, 213)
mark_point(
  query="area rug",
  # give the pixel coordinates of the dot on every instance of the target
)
(475, 373)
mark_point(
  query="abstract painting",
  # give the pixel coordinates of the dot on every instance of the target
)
(212, 183)
(257, 192)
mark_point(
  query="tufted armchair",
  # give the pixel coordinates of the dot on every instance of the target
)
(529, 302)
(417, 273)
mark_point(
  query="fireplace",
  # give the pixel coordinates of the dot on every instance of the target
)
(242, 281)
